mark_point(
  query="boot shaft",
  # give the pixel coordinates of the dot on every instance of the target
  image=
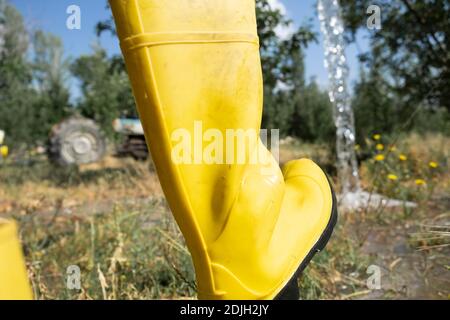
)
(185, 16)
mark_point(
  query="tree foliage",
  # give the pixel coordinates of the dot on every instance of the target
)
(105, 88)
(408, 63)
(33, 91)
(16, 76)
(283, 69)
(50, 74)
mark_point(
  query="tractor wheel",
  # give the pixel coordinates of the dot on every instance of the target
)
(76, 141)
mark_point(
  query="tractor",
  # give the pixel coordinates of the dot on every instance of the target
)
(79, 140)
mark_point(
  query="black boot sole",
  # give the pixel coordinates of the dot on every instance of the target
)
(291, 291)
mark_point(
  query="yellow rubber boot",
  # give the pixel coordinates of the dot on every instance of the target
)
(195, 68)
(14, 283)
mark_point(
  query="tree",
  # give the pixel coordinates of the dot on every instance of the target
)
(312, 119)
(412, 47)
(33, 94)
(282, 63)
(106, 91)
(50, 72)
(15, 91)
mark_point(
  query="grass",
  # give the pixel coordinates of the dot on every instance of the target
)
(111, 220)
(118, 258)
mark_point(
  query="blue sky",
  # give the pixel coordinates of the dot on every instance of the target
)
(50, 15)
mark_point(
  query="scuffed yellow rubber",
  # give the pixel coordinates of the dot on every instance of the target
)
(198, 60)
(14, 283)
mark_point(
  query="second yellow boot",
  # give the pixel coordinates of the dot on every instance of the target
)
(14, 283)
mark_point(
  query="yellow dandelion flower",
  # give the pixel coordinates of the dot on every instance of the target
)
(379, 147)
(4, 151)
(392, 177)
(376, 137)
(420, 182)
(402, 157)
(393, 148)
(379, 157)
(433, 164)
